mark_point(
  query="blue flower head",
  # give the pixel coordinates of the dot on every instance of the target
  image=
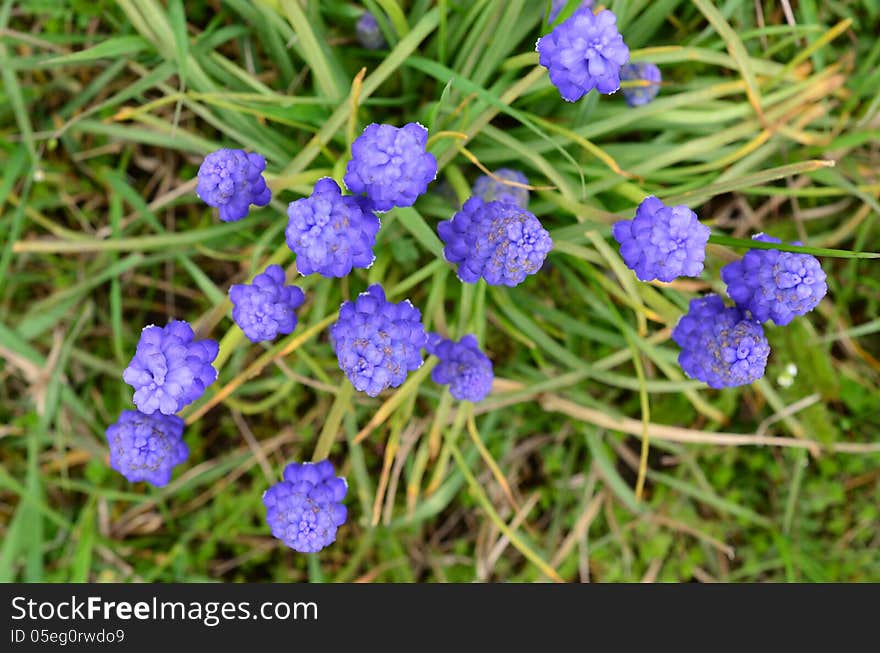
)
(146, 447)
(466, 369)
(170, 368)
(648, 74)
(774, 285)
(493, 190)
(720, 345)
(368, 33)
(662, 242)
(331, 233)
(266, 308)
(305, 509)
(390, 165)
(502, 243)
(584, 52)
(378, 342)
(232, 180)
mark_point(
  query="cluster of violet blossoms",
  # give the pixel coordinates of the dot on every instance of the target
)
(377, 342)
(586, 51)
(170, 369)
(722, 346)
(662, 242)
(232, 181)
(492, 237)
(305, 509)
(266, 308)
(331, 233)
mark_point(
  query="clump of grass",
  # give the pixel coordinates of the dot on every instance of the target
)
(106, 111)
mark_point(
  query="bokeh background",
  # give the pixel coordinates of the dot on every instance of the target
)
(106, 110)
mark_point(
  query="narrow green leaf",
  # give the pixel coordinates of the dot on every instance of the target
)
(730, 241)
(328, 74)
(116, 47)
(735, 47)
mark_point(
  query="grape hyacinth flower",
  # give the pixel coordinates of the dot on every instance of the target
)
(368, 33)
(501, 243)
(641, 72)
(146, 447)
(466, 369)
(558, 5)
(378, 342)
(232, 180)
(775, 285)
(265, 308)
(390, 165)
(662, 242)
(305, 509)
(493, 190)
(170, 368)
(720, 345)
(584, 52)
(331, 233)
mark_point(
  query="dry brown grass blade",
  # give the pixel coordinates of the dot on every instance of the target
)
(679, 434)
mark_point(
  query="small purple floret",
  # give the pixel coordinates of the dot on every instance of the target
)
(331, 233)
(266, 308)
(232, 180)
(584, 52)
(170, 368)
(305, 509)
(720, 345)
(493, 190)
(390, 165)
(662, 242)
(642, 71)
(146, 447)
(466, 369)
(368, 33)
(378, 342)
(775, 285)
(501, 243)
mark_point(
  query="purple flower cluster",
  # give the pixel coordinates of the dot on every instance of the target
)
(662, 242)
(501, 243)
(146, 447)
(462, 366)
(305, 509)
(492, 237)
(495, 190)
(775, 285)
(266, 308)
(720, 345)
(170, 368)
(331, 233)
(584, 52)
(232, 180)
(390, 165)
(378, 342)
(648, 74)
(368, 33)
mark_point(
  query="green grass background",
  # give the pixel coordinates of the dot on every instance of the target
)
(107, 108)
